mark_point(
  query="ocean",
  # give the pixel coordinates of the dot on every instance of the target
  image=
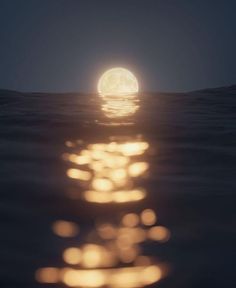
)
(190, 183)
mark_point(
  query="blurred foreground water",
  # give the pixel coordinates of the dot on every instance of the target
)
(186, 179)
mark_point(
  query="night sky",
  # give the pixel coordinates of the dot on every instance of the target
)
(64, 45)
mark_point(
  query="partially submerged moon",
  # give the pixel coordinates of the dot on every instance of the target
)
(117, 82)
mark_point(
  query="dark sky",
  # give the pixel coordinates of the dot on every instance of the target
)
(64, 45)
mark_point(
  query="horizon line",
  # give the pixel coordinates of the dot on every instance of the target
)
(141, 92)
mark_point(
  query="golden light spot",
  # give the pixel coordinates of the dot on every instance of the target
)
(133, 148)
(98, 154)
(148, 217)
(92, 256)
(113, 161)
(78, 159)
(102, 184)
(79, 174)
(63, 271)
(97, 166)
(112, 147)
(159, 233)
(126, 278)
(118, 175)
(65, 228)
(82, 160)
(120, 196)
(72, 157)
(137, 194)
(128, 196)
(120, 108)
(72, 255)
(137, 169)
(151, 275)
(117, 82)
(92, 278)
(97, 147)
(47, 275)
(97, 256)
(130, 220)
(98, 197)
(85, 152)
(129, 277)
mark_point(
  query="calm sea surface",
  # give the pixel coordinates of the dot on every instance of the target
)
(190, 184)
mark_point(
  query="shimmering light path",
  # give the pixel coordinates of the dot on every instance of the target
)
(104, 173)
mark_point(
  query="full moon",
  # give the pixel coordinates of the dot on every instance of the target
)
(117, 82)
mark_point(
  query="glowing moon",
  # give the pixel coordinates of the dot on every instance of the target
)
(117, 82)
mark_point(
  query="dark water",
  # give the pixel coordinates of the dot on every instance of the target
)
(191, 184)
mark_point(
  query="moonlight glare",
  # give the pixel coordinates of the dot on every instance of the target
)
(117, 82)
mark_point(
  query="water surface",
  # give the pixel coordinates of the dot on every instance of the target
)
(190, 183)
